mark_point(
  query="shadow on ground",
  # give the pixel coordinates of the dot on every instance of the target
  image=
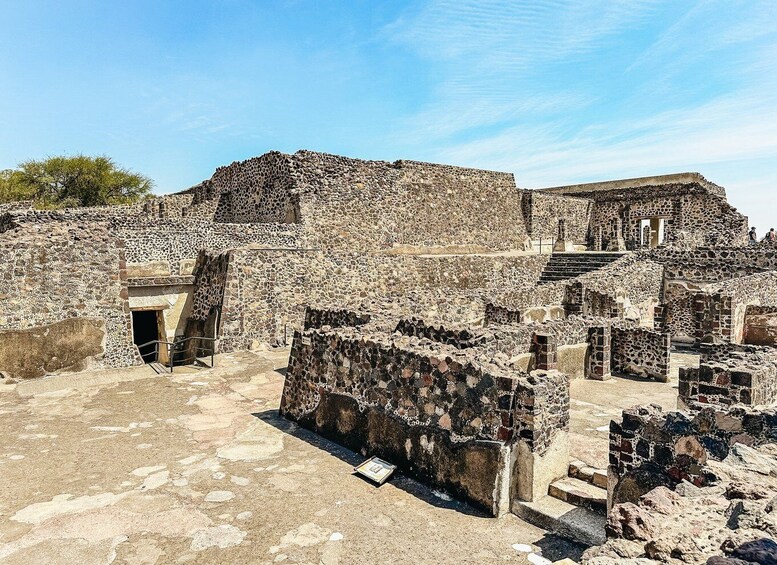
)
(555, 548)
(399, 479)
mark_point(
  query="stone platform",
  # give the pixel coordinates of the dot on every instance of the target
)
(126, 466)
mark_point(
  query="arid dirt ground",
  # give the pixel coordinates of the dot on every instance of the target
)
(594, 403)
(127, 466)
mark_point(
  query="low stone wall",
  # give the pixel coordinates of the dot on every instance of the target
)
(641, 351)
(651, 448)
(483, 434)
(460, 338)
(724, 386)
(714, 264)
(532, 303)
(318, 318)
(621, 347)
(627, 288)
(730, 375)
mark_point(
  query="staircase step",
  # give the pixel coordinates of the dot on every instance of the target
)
(572, 522)
(580, 493)
(584, 472)
(563, 266)
(159, 368)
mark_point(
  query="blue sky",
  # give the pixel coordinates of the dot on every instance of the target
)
(558, 92)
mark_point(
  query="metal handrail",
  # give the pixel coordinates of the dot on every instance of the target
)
(171, 353)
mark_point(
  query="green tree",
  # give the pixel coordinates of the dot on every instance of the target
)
(11, 187)
(59, 182)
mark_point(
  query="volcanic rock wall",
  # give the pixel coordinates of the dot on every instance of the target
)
(433, 411)
(268, 290)
(650, 448)
(730, 375)
(352, 204)
(640, 351)
(543, 210)
(56, 273)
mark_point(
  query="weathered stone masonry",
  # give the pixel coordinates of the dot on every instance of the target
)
(432, 410)
(55, 273)
(650, 448)
(729, 375)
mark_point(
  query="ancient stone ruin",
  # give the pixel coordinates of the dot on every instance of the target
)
(442, 318)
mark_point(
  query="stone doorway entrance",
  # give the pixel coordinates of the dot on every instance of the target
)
(651, 232)
(148, 326)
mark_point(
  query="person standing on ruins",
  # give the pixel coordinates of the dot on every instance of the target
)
(753, 236)
(770, 237)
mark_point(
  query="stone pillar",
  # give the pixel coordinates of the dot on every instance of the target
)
(162, 209)
(599, 241)
(597, 366)
(561, 241)
(545, 351)
(617, 243)
(659, 317)
(646, 236)
(573, 299)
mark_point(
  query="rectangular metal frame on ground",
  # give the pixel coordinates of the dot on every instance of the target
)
(376, 469)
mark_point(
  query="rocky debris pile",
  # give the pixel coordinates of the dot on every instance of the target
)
(732, 522)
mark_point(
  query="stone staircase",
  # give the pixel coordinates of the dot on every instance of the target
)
(563, 266)
(575, 506)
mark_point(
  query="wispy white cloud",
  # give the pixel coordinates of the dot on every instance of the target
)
(487, 53)
(513, 35)
(701, 95)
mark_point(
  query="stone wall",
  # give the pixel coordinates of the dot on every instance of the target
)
(717, 312)
(352, 204)
(53, 273)
(482, 434)
(641, 351)
(611, 345)
(318, 318)
(211, 277)
(527, 303)
(730, 375)
(694, 210)
(178, 242)
(650, 448)
(706, 291)
(710, 264)
(542, 211)
(268, 290)
(627, 288)
(259, 190)
(676, 314)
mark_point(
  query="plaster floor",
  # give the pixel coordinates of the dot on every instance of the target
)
(126, 466)
(594, 403)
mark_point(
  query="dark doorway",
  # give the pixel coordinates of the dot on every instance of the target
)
(144, 330)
